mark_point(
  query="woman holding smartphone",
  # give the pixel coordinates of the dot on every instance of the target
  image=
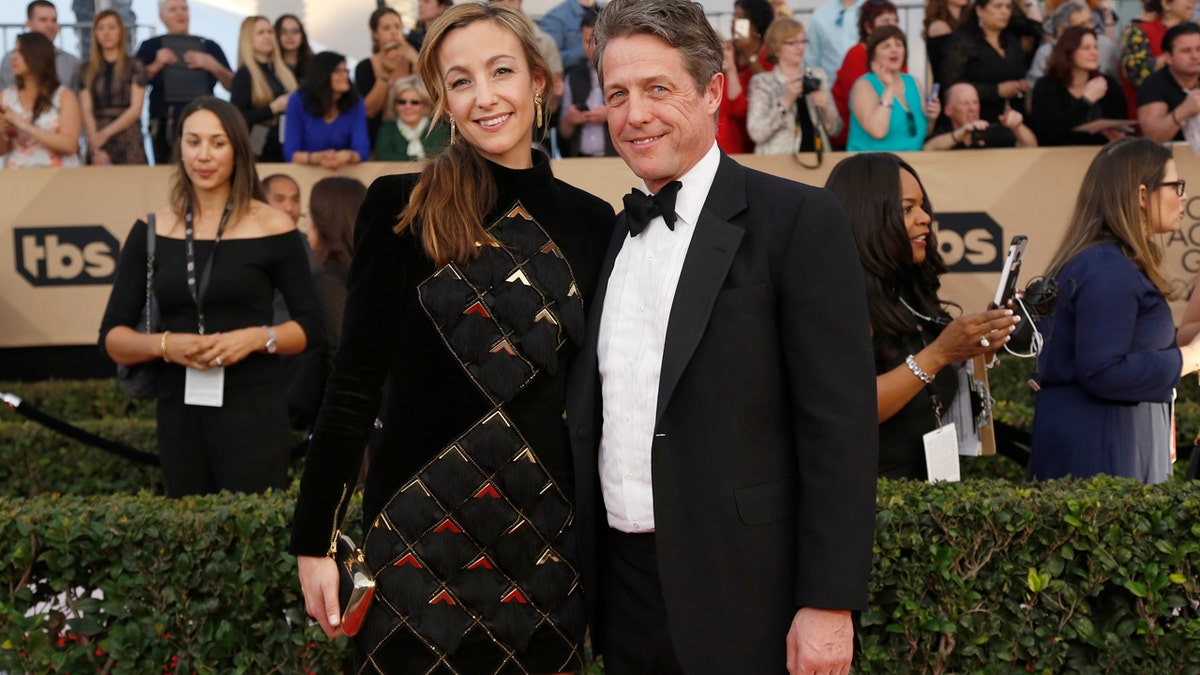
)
(916, 340)
(392, 58)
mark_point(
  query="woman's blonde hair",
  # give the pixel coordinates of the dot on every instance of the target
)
(780, 31)
(403, 84)
(456, 190)
(260, 90)
(96, 61)
(1108, 208)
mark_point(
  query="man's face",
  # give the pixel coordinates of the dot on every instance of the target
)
(175, 16)
(963, 106)
(44, 21)
(1081, 18)
(1184, 57)
(284, 195)
(661, 124)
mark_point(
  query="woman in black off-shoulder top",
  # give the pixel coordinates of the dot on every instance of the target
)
(239, 441)
(470, 309)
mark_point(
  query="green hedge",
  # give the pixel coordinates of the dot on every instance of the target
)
(35, 460)
(1091, 577)
(82, 399)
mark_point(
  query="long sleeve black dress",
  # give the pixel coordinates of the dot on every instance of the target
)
(1056, 112)
(468, 501)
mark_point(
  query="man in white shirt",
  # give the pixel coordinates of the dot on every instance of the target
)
(42, 17)
(722, 408)
(832, 31)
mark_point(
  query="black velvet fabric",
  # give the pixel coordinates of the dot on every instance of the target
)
(404, 322)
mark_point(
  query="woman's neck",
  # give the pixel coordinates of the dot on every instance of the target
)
(110, 54)
(991, 35)
(1079, 77)
(792, 69)
(291, 57)
(210, 203)
(263, 59)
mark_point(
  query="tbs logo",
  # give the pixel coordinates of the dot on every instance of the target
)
(66, 256)
(970, 242)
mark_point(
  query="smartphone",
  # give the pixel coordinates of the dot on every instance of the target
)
(934, 91)
(741, 29)
(1012, 268)
(391, 46)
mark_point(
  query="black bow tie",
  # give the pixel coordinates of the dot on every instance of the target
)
(641, 208)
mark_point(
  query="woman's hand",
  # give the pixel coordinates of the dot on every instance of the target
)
(975, 334)
(819, 98)
(1095, 89)
(1012, 88)
(792, 91)
(319, 583)
(933, 108)
(280, 103)
(101, 158)
(225, 349)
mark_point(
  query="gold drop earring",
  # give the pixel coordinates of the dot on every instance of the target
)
(537, 103)
(453, 129)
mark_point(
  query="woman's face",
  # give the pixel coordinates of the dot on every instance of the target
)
(1164, 206)
(1180, 9)
(339, 80)
(290, 35)
(20, 68)
(791, 50)
(264, 39)
(890, 53)
(916, 220)
(205, 150)
(108, 33)
(489, 91)
(885, 19)
(1087, 56)
(428, 10)
(388, 31)
(409, 107)
(995, 15)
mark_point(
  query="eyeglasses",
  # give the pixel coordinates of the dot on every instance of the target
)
(912, 123)
(1179, 186)
(409, 101)
(341, 71)
(290, 31)
(795, 43)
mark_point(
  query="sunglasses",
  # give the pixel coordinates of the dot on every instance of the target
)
(1179, 186)
(912, 123)
(409, 101)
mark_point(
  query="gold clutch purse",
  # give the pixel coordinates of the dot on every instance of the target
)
(356, 585)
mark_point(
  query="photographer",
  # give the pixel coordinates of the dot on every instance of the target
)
(966, 130)
(790, 106)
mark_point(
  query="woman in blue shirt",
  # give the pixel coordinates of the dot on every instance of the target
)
(326, 123)
(888, 111)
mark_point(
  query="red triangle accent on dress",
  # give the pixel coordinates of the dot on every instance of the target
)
(488, 490)
(448, 526)
(477, 308)
(514, 596)
(481, 561)
(408, 560)
(444, 596)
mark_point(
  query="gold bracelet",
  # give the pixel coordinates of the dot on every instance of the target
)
(162, 346)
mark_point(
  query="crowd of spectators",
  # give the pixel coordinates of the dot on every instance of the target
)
(999, 75)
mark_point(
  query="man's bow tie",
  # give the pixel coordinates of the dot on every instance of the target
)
(641, 208)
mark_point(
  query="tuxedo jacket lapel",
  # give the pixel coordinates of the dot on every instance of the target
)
(714, 244)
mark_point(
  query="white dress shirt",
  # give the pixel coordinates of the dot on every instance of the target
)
(633, 329)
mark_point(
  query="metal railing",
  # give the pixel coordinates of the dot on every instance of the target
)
(68, 36)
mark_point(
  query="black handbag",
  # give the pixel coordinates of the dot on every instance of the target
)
(139, 381)
(356, 585)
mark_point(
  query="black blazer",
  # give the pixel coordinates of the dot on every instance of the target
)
(766, 440)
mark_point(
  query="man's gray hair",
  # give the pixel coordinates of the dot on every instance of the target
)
(162, 5)
(680, 23)
(1061, 19)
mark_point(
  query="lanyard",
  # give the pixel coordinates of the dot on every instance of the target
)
(934, 400)
(199, 291)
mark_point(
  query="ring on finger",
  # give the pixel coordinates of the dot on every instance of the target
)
(983, 342)
(218, 359)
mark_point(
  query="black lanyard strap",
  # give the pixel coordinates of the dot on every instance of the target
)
(199, 290)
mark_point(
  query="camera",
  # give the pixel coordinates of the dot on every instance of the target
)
(810, 82)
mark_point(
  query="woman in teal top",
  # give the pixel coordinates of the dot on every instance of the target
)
(888, 111)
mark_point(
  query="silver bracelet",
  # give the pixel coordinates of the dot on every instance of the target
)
(916, 370)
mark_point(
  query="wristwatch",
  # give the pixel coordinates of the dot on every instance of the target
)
(271, 346)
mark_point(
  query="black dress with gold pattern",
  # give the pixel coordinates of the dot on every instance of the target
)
(468, 498)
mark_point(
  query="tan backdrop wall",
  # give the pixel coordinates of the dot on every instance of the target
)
(61, 229)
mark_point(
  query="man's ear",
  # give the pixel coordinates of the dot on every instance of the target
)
(714, 92)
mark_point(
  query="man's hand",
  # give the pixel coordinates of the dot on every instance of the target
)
(201, 60)
(165, 57)
(1012, 119)
(820, 642)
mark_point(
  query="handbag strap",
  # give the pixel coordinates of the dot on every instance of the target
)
(151, 239)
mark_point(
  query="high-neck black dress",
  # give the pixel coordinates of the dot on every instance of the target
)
(468, 501)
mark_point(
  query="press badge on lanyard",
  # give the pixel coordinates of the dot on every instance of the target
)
(203, 387)
(941, 446)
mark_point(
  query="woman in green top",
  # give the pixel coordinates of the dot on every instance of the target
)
(409, 137)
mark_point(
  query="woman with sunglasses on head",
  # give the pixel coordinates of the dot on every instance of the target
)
(784, 115)
(40, 119)
(221, 253)
(888, 109)
(1111, 360)
(467, 295)
(917, 343)
(871, 15)
(414, 135)
(326, 121)
(293, 44)
(114, 89)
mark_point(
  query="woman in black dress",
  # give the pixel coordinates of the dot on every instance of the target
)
(986, 51)
(471, 308)
(220, 254)
(914, 336)
(1074, 92)
(261, 87)
(114, 89)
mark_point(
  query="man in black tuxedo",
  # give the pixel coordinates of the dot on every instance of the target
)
(723, 408)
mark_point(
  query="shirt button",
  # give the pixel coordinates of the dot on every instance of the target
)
(629, 475)
(637, 526)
